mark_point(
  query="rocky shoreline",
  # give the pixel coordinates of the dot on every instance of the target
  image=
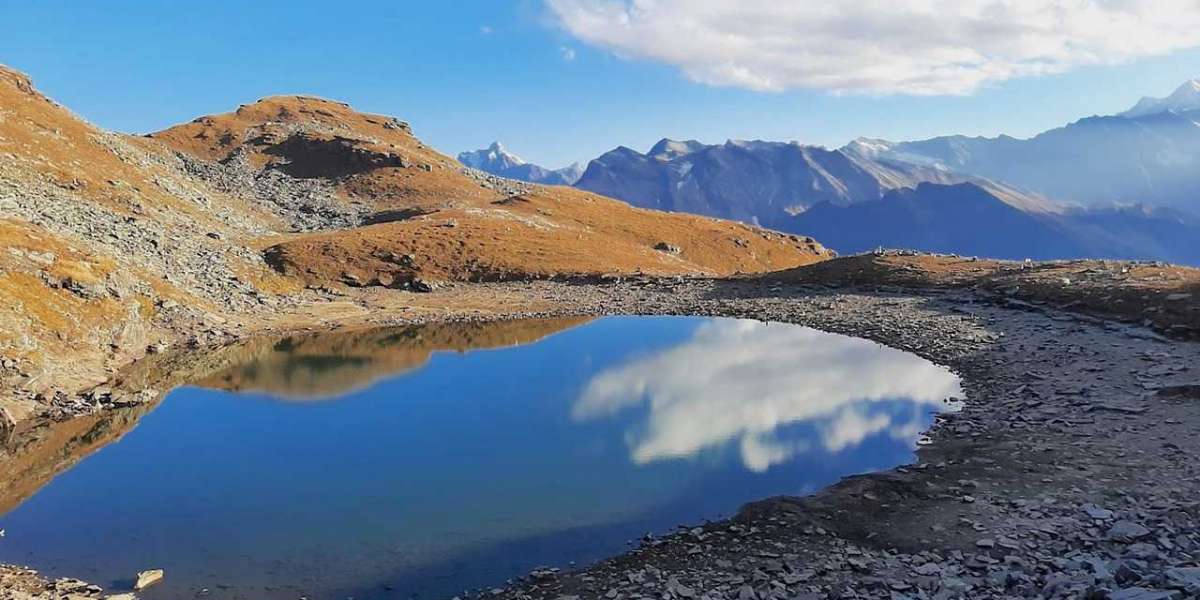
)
(1069, 473)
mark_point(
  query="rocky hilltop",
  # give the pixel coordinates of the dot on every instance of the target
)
(286, 212)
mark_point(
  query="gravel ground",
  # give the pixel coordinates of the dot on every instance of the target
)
(1068, 474)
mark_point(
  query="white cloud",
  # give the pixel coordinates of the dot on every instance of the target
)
(742, 381)
(921, 47)
(568, 53)
(485, 29)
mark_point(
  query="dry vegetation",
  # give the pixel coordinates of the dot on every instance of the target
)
(114, 245)
(435, 221)
(556, 232)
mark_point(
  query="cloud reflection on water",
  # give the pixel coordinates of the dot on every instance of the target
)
(744, 381)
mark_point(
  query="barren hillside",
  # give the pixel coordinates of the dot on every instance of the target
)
(116, 246)
(107, 239)
(426, 216)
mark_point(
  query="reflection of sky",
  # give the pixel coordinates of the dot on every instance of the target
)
(741, 381)
(478, 466)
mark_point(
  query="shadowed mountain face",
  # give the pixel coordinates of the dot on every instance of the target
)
(752, 181)
(1147, 155)
(1152, 159)
(1125, 186)
(967, 219)
(871, 195)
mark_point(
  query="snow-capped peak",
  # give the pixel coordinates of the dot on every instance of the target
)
(571, 173)
(869, 147)
(1184, 98)
(667, 149)
(493, 158)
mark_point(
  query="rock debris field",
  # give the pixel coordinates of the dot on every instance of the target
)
(1069, 473)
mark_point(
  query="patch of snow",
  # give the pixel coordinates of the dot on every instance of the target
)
(490, 159)
(1185, 98)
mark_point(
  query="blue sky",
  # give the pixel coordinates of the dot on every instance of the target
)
(466, 73)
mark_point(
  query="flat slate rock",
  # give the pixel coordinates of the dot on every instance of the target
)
(1140, 593)
(1127, 531)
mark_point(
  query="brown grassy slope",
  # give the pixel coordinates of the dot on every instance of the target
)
(1164, 296)
(42, 319)
(548, 233)
(463, 229)
(43, 142)
(96, 230)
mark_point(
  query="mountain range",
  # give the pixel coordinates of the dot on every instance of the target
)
(969, 219)
(1147, 155)
(1120, 186)
(496, 160)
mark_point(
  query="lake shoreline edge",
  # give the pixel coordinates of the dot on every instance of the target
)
(966, 503)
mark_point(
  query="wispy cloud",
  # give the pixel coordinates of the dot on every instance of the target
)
(568, 53)
(880, 46)
(742, 381)
(485, 29)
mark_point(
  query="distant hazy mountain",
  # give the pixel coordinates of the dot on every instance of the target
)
(1128, 185)
(1185, 99)
(758, 182)
(971, 220)
(1122, 186)
(496, 160)
(1148, 155)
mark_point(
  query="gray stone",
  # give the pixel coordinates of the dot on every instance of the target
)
(1096, 512)
(1184, 578)
(1127, 531)
(1140, 593)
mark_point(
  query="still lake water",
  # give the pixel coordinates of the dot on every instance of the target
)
(425, 461)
